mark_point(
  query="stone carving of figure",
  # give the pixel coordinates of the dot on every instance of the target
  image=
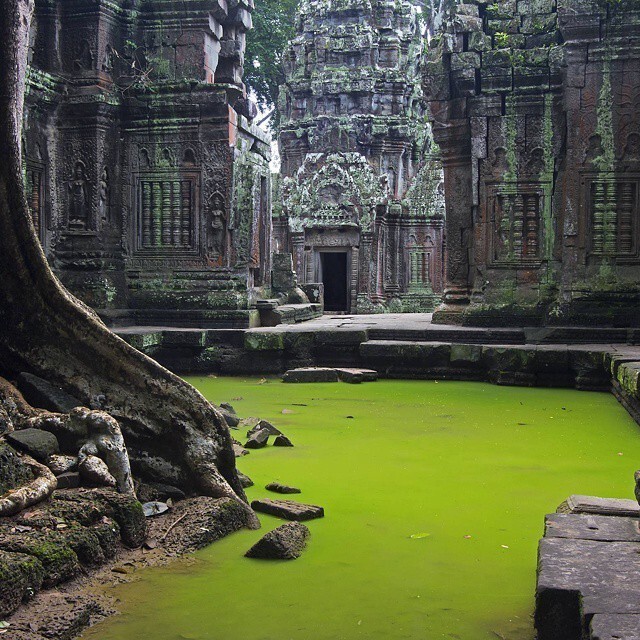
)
(594, 150)
(632, 148)
(104, 196)
(84, 59)
(79, 198)
(216, 231)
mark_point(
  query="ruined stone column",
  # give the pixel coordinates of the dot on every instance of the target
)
(454, 139)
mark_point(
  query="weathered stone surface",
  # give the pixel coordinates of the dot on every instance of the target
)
(69, 480)
(50, 548)
(288, 509)
(239, 450)
(265, 427)
(602, 506)
(284, 543)
(21, 576)
(612, 626)
(95, 473)
(258, 440)
(356, 376)
(282, 441)
(245, 480)
(277, 487)
(37, 443)
(603, 573)
(204, 520)
(312, 374)
(60, 464)
(592, 527)
(44, 395)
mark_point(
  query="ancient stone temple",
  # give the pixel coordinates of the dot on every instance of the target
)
(536, 108)
(362, 205)
(149, 185)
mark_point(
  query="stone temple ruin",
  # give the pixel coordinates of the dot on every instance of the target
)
(149, 185)
(517, 123)
(361, 207)
(535, 105)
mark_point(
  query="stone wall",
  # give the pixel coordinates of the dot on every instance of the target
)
(535, 105)
(149, 186)
(360, 174)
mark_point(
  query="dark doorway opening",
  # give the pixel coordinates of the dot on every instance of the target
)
(334, 278)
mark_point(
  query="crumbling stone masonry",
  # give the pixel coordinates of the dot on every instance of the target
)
(362, 203)
(149, 186)
(536, 108)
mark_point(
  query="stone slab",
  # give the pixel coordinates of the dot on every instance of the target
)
(44, 395)
(355, 376)
(311, 374)
(592, 527)
(607, 626)
(604, 573)
(602, 506)
(288, 509)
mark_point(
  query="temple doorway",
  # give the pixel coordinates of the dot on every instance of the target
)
(333, 269)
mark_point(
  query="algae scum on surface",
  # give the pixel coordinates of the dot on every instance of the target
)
(435, 495)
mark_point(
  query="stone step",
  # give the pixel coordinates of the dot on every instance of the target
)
(600, 506)
(288, 509)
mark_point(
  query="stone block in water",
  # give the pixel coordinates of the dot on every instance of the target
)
(603, 506)
(276, 487)
(311, 374)
(355, 376)
(288, 509)
(284, 543)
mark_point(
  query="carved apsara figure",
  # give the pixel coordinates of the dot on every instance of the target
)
(103, 200)
(216, 228)
(79, 198)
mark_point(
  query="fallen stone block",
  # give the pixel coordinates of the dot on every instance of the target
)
(602, 506)
(288, 509)
(591, 527)
(245, 480)
(276, 487)
(44, 395)
(258, 440)
(264, 426)
(37, 443)
(311, 374)
(284, 543)
(356, 376)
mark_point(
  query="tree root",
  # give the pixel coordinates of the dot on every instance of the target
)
(27, 495)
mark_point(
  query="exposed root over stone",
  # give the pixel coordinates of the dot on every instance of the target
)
(27, 495)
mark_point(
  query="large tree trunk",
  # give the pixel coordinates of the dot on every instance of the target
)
(46, 331)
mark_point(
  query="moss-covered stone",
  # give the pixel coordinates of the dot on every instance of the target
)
(263, 341)
(21, 577)
(59, 561)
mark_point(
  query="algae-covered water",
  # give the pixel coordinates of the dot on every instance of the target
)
(435, 494)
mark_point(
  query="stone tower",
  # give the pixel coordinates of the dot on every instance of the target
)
(149, 185)
(536, 108)
(362, 201)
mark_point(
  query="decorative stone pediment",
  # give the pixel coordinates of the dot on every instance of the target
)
(334, 190)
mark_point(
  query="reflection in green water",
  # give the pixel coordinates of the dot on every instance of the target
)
(435, 495)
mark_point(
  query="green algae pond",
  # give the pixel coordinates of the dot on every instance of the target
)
(435, 495)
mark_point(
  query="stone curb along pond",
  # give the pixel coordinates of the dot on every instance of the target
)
(434, 491)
